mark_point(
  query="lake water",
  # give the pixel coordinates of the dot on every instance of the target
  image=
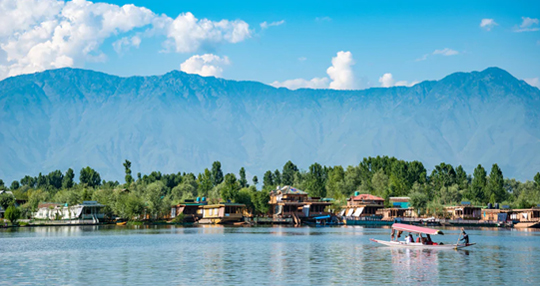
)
(216, 255)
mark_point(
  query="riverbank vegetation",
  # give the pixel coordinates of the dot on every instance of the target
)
(153, 194)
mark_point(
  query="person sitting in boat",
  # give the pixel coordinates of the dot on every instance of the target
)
(429, 241)
(409, 239)
(465, 236)
(392, 234)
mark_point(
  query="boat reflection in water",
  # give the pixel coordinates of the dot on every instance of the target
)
(419, 265)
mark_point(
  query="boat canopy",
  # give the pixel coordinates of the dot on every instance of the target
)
(416, 229)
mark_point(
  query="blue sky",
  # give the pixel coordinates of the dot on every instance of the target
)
(411, 41)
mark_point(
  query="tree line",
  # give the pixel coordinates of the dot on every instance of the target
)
(386, 177)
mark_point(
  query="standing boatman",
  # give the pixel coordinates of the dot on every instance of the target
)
(465, 236)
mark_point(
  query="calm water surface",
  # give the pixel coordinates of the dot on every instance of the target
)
(107, 255)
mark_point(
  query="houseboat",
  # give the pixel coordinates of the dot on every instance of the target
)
(290, 202)
(88, 210)
(222, 213)
(526, 218)
(191, 209)
(361, 209)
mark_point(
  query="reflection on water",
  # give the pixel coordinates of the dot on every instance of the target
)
(220, 255)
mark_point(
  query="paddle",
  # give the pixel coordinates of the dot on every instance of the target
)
(459, 237)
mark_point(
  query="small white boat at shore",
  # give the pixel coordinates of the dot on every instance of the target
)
(419, 245)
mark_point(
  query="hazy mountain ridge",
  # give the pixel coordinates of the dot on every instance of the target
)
(180, 122)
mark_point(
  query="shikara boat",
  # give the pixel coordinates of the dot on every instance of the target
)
(419, 230)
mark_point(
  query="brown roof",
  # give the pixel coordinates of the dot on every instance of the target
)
(367, 197)
(46, 205)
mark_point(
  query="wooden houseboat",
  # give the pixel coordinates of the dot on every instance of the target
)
(191, 210)
(291, 202)
(222, 213)
(361, 209)
(465, 211)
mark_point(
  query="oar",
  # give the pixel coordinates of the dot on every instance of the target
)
(458, 240)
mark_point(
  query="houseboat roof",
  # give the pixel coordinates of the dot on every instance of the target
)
(223, 205)
(367, 197)
(46, 205)
(288, 190)
(400, 199)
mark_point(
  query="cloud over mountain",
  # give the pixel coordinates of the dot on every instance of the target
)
(41, 34)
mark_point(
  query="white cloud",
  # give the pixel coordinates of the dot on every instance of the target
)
(266, 25)
(205, 65)
(126, 42)
(40, 34)
(323, 19)
(314, 83)
(340, 73)
(302, 59)
(527, 25)
(188, 33)
(533, 81)
(488, 24)
(444, 52)
(387, 80)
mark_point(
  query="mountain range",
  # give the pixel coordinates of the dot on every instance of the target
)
(181, 122)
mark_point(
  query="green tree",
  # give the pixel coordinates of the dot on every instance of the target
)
(315, 181)
(90, 177)
(268, 181)
(380, 183)
(419, 201)
(54, 179)
(67, 182)
(255, 181)
(186, 190)
(217, 174)
(335, 182)
(132, 206)
(495, 185)
(1, 183)
(28, 181)
(478, 184)
(289, 170)
(260, 201)
(13, 214)
(449, 195)
(15, 185)
(6, 200)
(245, 197)
(461, 178)
(41, 181)
(155, 199)
(277, 177)
(205, 183)
(537, 179)
(127, 167)
(230, 188)
(243, 181)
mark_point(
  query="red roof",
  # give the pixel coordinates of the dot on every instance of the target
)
(367, 197)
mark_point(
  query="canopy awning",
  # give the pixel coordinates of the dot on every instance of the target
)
(349, 212)
(415, 229)
(358, 212)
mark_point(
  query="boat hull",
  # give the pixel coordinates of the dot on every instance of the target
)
(401, 244)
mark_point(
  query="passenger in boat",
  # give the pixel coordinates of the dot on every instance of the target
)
(465, 236)
(409, 238)
(392, 234)
(429, 241)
